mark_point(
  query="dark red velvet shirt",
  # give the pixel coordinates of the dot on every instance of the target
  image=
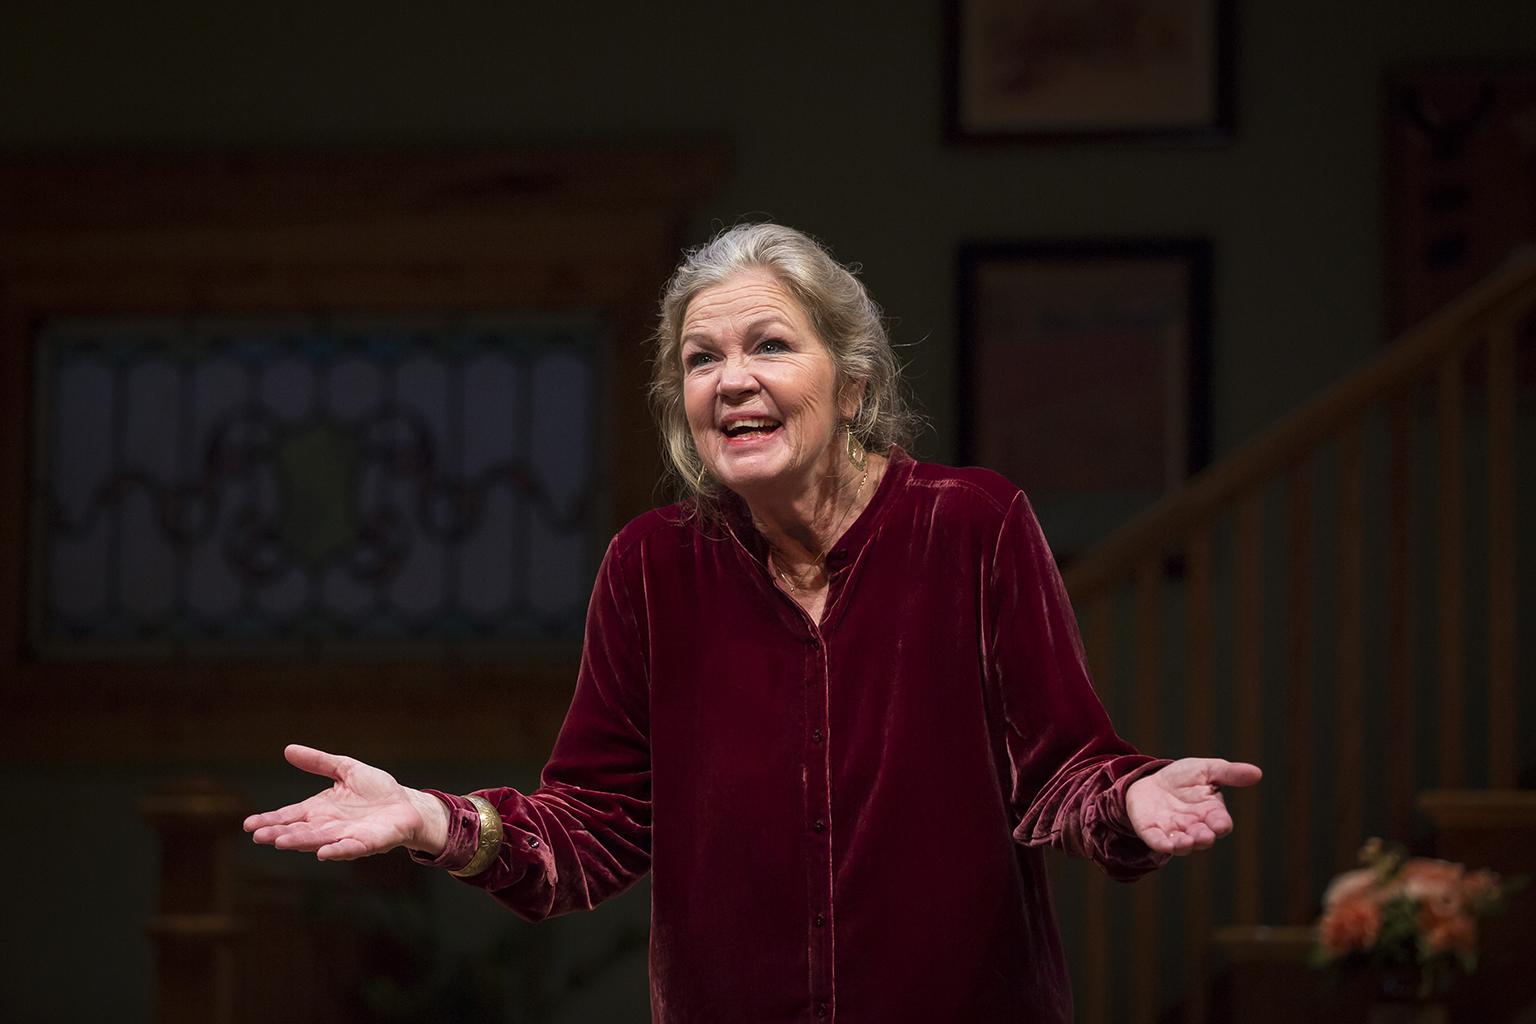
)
(842, 819)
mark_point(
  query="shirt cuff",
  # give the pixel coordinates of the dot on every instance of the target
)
(463, 834)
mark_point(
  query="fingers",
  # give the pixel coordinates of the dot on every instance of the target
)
(343, 849)
(1201, 837)
(1182, 843)
(307, 838)
(1183, 837)
(282, 816)
(1233, 773)
(1218, 820)
(316, 762)
(1156, 839)
(301, 836)
(1178, 843)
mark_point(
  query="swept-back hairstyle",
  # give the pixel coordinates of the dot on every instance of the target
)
(845, 318)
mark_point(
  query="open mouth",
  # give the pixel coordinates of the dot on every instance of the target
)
(750, 428)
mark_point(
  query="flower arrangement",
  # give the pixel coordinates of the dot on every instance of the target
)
(1412, 918)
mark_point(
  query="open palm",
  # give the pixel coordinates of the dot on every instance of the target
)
(1180, 808)
(364, 812)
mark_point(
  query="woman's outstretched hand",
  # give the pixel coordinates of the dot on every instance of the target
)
(1180, 808)
(364, 812)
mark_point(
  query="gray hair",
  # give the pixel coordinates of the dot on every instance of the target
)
(845, 318)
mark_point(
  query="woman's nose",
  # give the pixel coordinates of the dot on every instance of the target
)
(736, 378)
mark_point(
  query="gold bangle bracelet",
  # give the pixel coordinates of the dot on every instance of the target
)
(490, 839)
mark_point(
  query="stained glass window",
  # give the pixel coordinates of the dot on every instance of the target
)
(320, 486)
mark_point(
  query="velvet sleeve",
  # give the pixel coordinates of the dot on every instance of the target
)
(1070, 771)
(585, 834)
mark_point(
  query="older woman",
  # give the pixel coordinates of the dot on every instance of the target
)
(834, 701)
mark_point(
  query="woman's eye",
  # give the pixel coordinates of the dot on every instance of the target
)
(696, 359)
(772, 345)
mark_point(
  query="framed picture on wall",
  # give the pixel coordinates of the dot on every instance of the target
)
(1084, 374)
(1460, 180)
(1049, 70)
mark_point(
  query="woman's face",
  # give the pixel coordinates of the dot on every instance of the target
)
(758, 388)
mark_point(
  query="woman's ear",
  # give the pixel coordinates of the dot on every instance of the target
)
(849, 398)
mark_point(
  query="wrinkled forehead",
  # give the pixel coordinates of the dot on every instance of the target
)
(743, 298)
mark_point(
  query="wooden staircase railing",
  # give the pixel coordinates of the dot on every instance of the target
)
(1295, 606)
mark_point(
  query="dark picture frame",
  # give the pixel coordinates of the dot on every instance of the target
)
(1084, 374)
(1064, 70)
(1459, 179)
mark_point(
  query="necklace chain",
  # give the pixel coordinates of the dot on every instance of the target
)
(820, 559)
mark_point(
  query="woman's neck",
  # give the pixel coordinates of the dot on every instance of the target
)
(800, 528)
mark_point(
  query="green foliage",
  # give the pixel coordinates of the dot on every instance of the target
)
(1397, 943)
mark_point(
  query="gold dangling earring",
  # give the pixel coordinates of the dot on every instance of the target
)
(857, 453)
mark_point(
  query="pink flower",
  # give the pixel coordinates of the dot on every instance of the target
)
(1435, 885)
(1428, 875)
(1348, 886)
(1349, 925)
(1480, 888)
(1443, 934)
(1431, 905)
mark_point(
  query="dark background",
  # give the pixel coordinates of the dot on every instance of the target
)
(833, 113)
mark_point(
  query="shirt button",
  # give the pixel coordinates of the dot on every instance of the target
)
(819, 825)
(815, 735)
(820, 920)
(821, 1009)
(812, 642)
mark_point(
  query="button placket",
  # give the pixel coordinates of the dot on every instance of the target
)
(818, 807)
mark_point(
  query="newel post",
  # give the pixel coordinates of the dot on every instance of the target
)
(195, 927)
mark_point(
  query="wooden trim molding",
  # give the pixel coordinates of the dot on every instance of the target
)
(1481, 808)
